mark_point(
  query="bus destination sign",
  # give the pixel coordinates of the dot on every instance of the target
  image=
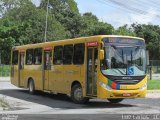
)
(92, 44)
(119, 40)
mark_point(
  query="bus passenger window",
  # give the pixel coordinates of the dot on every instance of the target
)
(47, 60)
(67, 54)
(38, 56)
(15, 57)
(21, 60)
(78, 57)
(58, 55)
(29, 56)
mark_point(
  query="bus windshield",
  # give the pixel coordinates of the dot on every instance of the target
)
(124, 60)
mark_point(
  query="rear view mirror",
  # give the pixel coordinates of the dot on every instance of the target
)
(101, 54)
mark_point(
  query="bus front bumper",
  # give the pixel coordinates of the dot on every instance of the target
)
(122, 93)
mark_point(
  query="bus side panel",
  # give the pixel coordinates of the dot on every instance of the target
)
(56, 81)
(37, 73)
(71, 73)
(64, 75)
(83, 78)
(14, 75)
(34, 72)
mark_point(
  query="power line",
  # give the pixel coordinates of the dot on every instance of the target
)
(127, 7)
(115, 6)
(131, 8)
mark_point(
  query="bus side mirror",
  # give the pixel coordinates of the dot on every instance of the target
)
(147, 57)
(101, 54)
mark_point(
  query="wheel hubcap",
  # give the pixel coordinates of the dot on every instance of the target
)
(30, 87)
(78, 94)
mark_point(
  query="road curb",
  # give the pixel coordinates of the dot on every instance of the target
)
(4, 79)
(153, 94)
(153, 91)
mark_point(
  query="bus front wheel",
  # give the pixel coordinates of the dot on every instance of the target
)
(77, 95)
(31, 87)
(115, 100)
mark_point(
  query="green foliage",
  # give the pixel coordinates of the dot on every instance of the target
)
(66, 12)
(92, 26)
(7, 5)
(124, 30)
(73, 6)
(153, 85)
(151, 34)
(24, 23)
(5, 70)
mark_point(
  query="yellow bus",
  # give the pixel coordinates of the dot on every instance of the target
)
(104, 66)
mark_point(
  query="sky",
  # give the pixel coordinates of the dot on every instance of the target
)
(121, 12)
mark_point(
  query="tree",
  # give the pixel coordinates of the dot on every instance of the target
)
(7, 5)
(124, 30)
(151, 34)
(73, 6)
(66, 12)
(94, 27)
(5, 48)
(26, 25)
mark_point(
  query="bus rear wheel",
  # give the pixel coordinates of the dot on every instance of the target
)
(77, 95)
(31, 87)
(115, 100)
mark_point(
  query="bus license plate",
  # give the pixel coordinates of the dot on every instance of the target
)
(126, 94)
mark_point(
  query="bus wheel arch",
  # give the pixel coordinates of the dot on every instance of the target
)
(75, 82)
(31, 86)
(77, 93)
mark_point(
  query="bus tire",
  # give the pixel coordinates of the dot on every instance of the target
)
(31, 87)
(77, 95)
(115, 100)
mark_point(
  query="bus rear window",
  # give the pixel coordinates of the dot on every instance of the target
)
(15, 57)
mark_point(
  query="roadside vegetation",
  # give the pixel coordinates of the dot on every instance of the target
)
(153, 84)
(4, 103)
(4, 70)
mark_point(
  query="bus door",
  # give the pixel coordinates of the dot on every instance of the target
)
(47, 67)
(92, 57)
(21, 69)
(15, 68)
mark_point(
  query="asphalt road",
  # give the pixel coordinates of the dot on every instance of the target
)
(48, 106)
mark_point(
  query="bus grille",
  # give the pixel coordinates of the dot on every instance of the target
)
(126, 81)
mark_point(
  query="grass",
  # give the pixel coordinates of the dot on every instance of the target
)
(153, 84)
(4, 103)
(4, 70)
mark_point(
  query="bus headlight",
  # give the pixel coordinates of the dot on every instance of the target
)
(105, 86)
(143, 87)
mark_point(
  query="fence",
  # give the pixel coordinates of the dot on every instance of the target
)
(155, 66)
(154, 70)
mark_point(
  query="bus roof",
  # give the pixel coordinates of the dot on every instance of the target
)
(80, 39)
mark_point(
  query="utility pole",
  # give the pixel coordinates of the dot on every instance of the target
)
(45, 34)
